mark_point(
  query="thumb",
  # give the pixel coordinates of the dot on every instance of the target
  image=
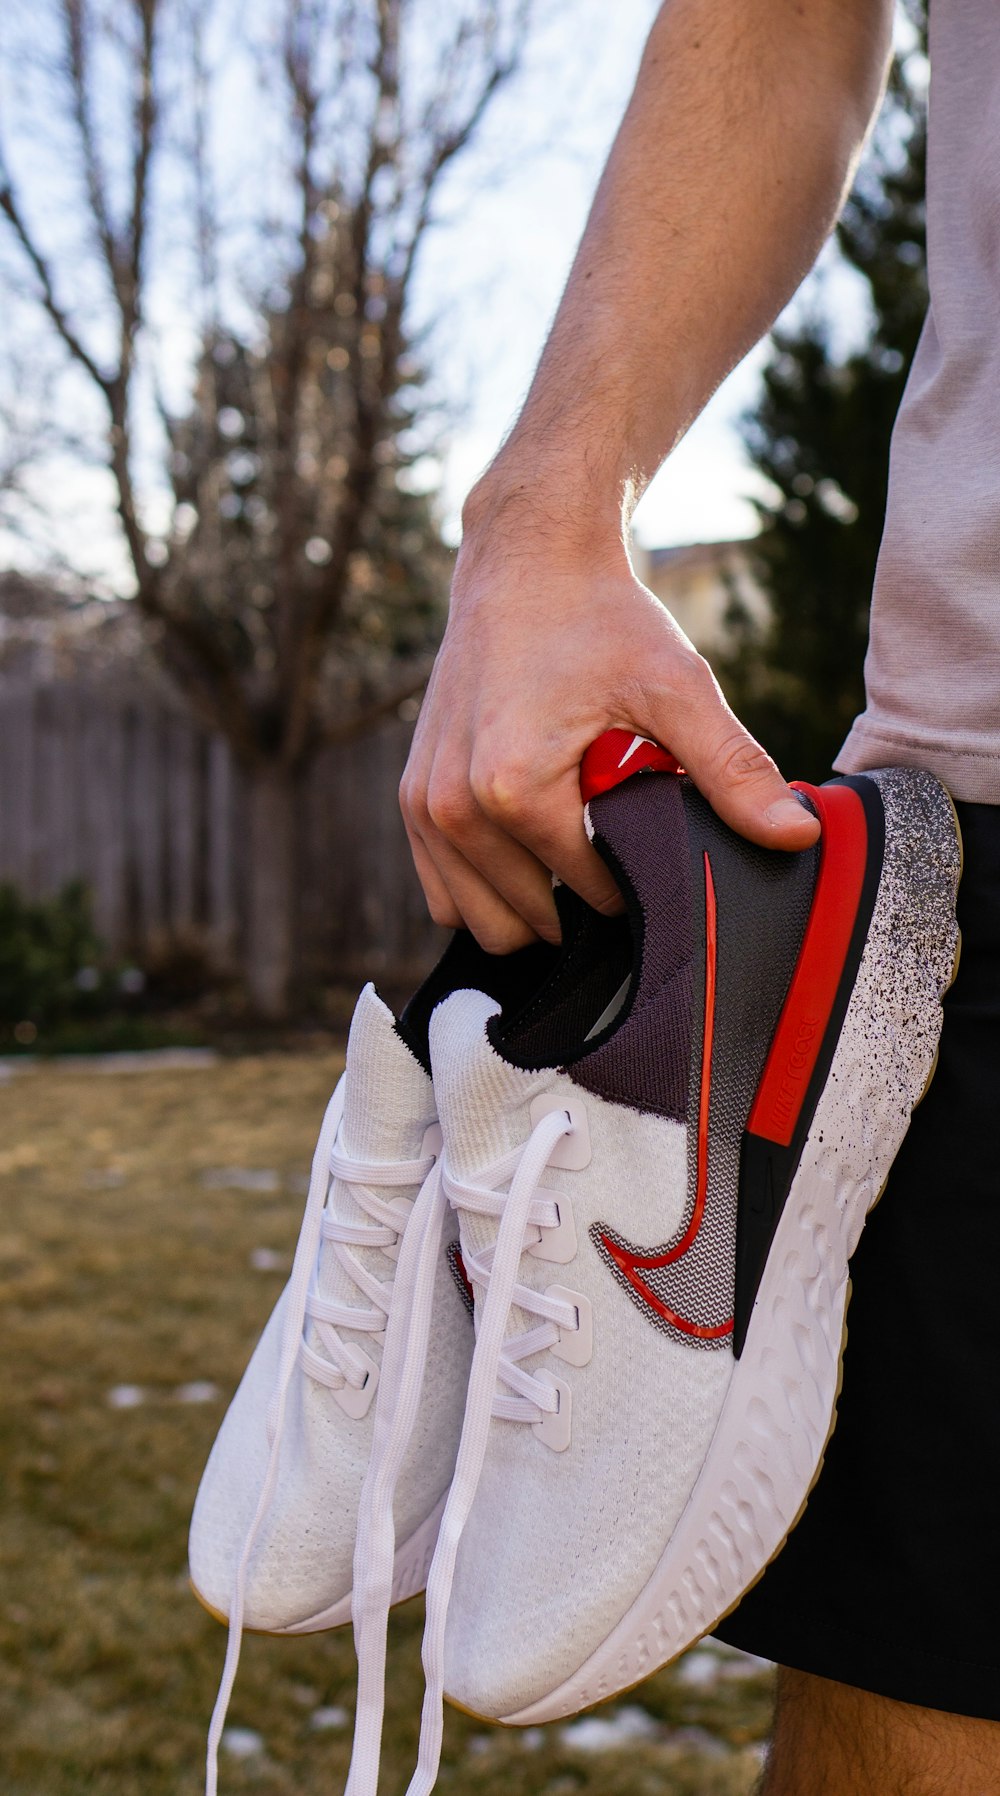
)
(729, 767)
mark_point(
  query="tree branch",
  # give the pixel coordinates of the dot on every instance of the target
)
(447, 141)
(291, 347)
(145, 129)
(304, 636)
(334, 734)
(75, 23)
(198, 663)
(12, 211)
(205, 208)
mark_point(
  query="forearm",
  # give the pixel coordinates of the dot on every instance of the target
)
(725, 178)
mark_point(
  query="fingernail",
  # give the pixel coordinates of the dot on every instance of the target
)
(786, 812)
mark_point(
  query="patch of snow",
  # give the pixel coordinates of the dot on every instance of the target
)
(599, 1733)
(200, 1390)
(125, 1396)
(145, 1060)
(700, 1741)
(329, 1717)
(241, 1742)
(240, 1178)
(264, 1259)
(149, 1060)
(700, 1669)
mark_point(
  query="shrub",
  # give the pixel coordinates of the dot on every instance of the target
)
(50, 957)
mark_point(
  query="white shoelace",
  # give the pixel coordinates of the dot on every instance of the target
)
(304, 1303)
(520, 1209)
(342, 1364)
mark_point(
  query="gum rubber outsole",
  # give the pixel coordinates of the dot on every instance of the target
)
(744, 1512)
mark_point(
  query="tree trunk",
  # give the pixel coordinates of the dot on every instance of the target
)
(271, 896)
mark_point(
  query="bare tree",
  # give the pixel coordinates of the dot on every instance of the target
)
(287, 586)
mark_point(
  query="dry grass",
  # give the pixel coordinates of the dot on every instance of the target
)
(119, 1267)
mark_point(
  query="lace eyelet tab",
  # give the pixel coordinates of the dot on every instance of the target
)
(575, 1345)
(554, 1430)
(356, 1401)
(573, 1149)
(558, 1245)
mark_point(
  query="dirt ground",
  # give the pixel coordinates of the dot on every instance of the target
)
(147, 1219)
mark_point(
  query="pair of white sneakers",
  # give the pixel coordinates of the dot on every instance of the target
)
(641, 1163)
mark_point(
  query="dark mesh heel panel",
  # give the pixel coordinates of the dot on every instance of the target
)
(763, 898)
(641, 830)
(658, 832)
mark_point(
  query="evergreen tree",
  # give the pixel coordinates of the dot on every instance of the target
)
(820, 434)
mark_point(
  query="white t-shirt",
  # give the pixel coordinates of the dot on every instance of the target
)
(932, 675)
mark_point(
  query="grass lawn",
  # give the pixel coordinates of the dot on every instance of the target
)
(146, 1219)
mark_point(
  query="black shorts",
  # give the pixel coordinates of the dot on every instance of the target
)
(891, 1580)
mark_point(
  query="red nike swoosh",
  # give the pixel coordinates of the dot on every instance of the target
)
(631, 1264)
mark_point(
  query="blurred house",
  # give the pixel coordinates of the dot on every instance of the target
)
(698, 582)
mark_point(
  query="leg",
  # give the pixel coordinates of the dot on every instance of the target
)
(833, 1740)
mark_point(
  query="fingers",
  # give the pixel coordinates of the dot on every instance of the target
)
(440, 902)
(506, 900)
(730, 769)
(486, 842)
(472, 874)
(542, 808)
(491, 795)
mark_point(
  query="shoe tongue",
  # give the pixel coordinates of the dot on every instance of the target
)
(389, 1100)
(482, 1100)
(483, 1104)
(388, 1107)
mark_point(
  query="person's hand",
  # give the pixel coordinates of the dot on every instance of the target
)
(544, 650)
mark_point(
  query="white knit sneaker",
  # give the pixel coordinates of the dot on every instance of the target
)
(273, 1534)
(319, 1357)
(379, 1142)
(657, 1217)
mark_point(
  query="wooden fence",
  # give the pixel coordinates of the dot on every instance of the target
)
(121, 789)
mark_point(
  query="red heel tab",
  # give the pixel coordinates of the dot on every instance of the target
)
(801, 1028)
(615, 756)
(813, 793)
